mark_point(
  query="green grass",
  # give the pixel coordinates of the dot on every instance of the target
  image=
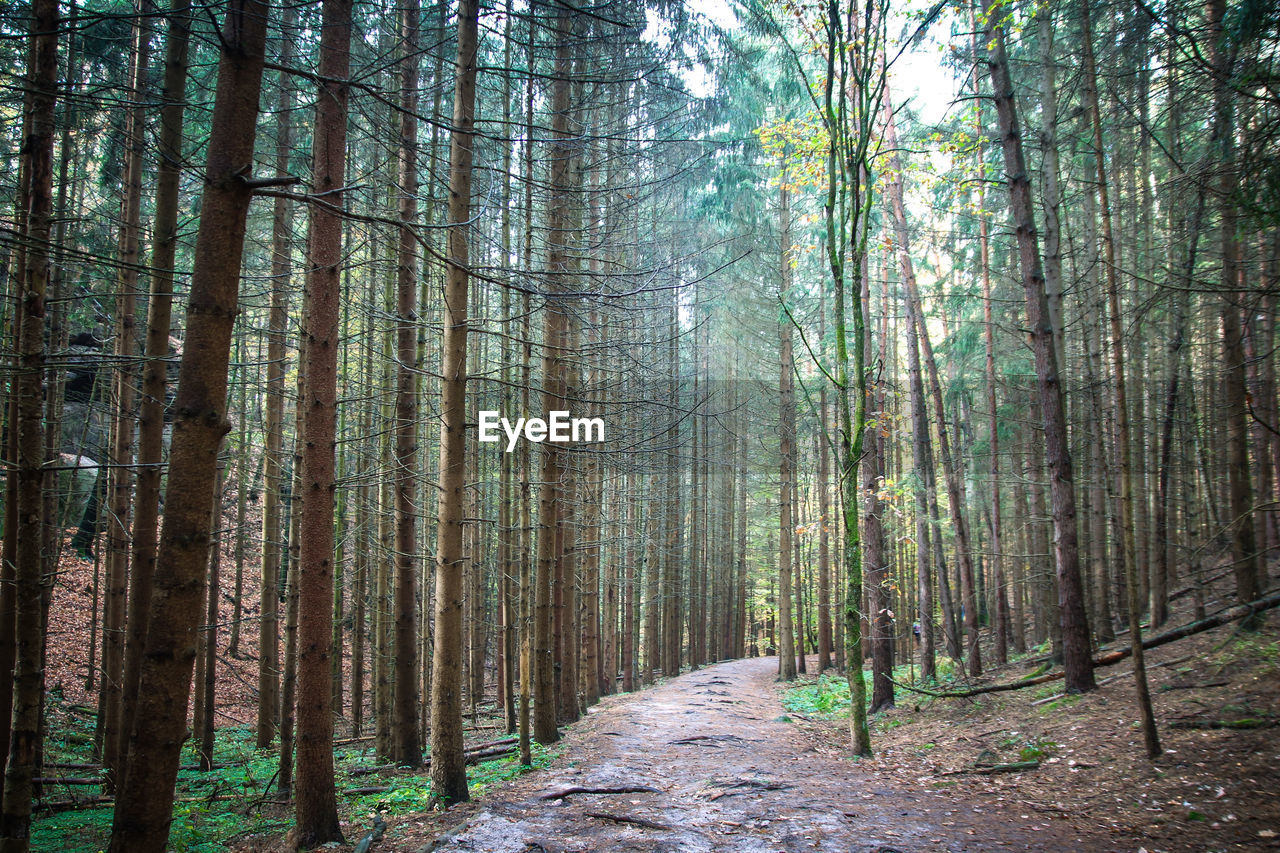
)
(227, 804)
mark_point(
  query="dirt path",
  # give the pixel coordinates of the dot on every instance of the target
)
(730, 772)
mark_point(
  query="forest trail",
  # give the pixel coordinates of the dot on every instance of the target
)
(732, 772)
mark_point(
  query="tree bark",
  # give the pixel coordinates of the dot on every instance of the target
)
(448, 772)
(28, 438)
(273, 451)
(316, 811)
(787, 442)
(144, 802)
(407, 742)
(207, 665)
(146, 524)
(1075, 628)
(824, 511)
(1244, 551)
(875, 556)
(120, 477)
(1122, 411)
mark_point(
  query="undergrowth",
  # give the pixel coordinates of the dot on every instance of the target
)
(1254, 650)
(236, 799)
(827, 697)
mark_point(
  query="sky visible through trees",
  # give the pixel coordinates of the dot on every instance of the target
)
(928, 348)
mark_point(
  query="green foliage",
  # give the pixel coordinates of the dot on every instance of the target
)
(1030, 748)
(888, 724)
(827, 698)
(217, 808)
(1037, 749)
(1258, 650)
(947, 669)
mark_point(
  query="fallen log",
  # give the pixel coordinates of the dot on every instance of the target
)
(473, 755)
(490, 753)
(72, 805)
(506, 739)
(1231, 614)
(990, 688)
(366, 771)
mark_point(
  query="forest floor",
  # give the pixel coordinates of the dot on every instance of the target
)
(1216, 698)
(735, 767)
(728, 770)
(740, 762)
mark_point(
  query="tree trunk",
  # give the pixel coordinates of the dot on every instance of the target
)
(120, 477)
(672, 522)
(998, 578)
(875, 557)
(28, 438)
(448, 772)
(1244, 552)
(589, 544)
(242, 485)
(273, 451)
(507, 537)
(208, 666)
(824, 514)
(407, 746)
(315, 800)
(529, 636)
(144, 802)
(1122, 411)
(846, 216)
(787, 444)
(289, 671)
(146, 524)
(1075, 628)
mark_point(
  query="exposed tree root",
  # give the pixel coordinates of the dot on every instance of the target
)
(621, 789)
(637, 821)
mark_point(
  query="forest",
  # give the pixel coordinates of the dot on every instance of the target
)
(639, 425)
